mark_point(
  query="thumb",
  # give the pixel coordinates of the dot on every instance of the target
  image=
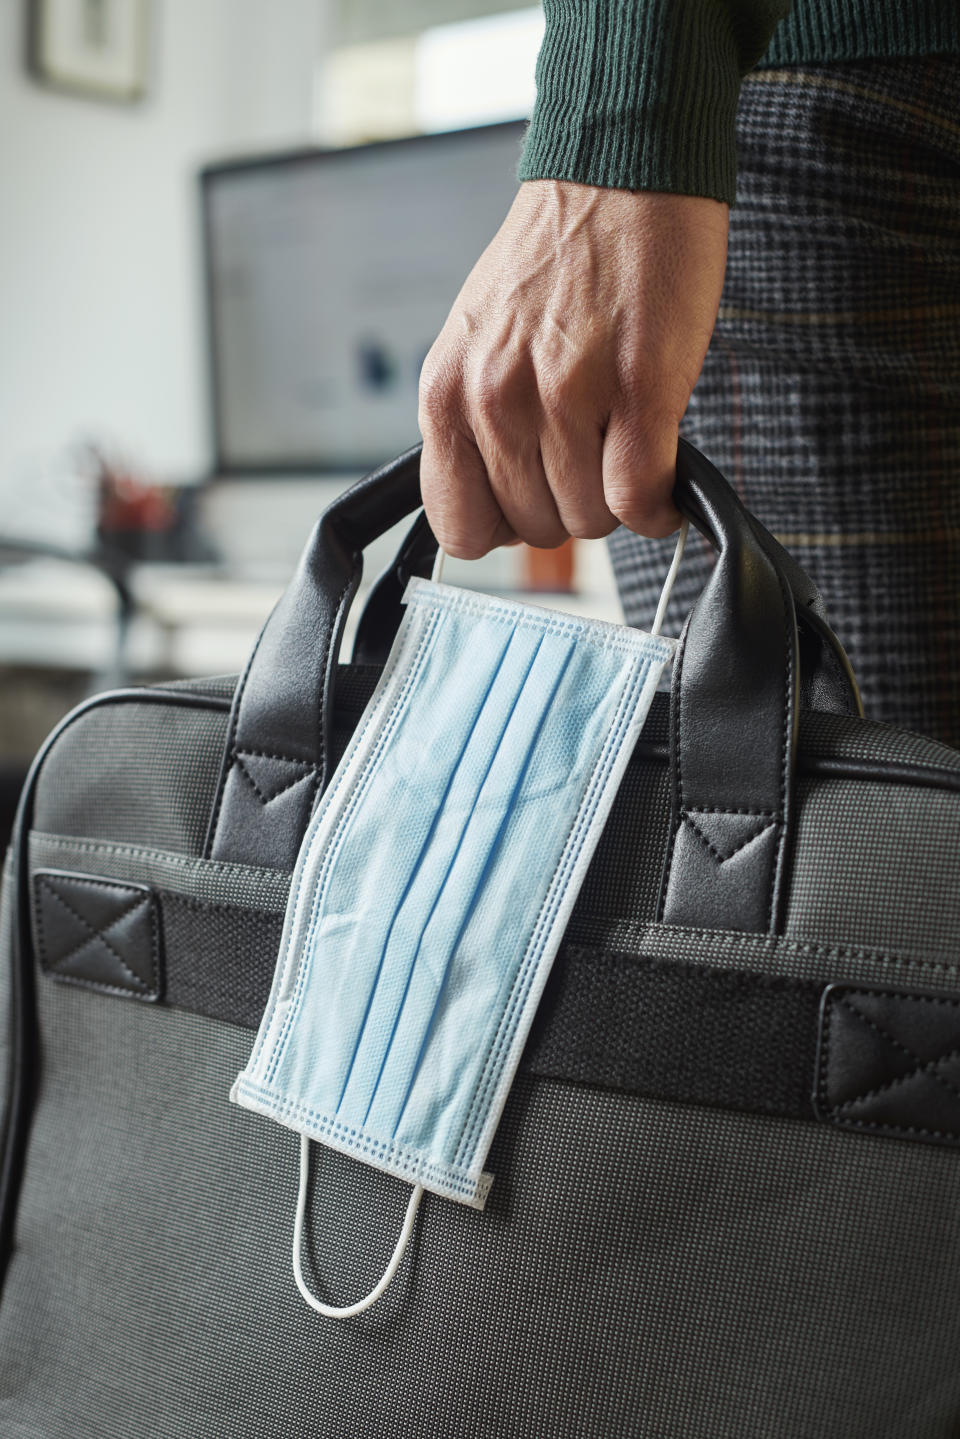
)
(639, 470)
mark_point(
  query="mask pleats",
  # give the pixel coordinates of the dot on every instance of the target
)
(437, 878)
(429, 869)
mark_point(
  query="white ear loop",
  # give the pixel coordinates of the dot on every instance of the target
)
(665, 593)
(668, 583)
(347, 1311)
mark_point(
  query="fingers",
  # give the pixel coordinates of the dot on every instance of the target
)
(639, 471)
(502, 412)
(512, 470)
(457, 497)
(507, 452)
(482, 478)
(551, 400)
(571, 450)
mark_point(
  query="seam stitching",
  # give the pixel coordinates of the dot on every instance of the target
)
(676, 796)
(266, 799)
(95, 933)
(268, 754)
(230, 750)
(219, 867)
(321, 768)
(712, 849)
(922, 1066)
(789, 685)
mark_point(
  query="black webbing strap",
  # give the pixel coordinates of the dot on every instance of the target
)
(679, 1031)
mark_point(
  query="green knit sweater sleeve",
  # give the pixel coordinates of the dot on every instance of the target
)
(642, 94)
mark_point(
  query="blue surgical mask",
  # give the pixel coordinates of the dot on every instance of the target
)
(436, 880)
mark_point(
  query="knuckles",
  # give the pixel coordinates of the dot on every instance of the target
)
(462, 548)
(437, 400)
(486, 401)
(497, 394)
(563, 393)
(628, 507)
(643, 516)
(588, 529)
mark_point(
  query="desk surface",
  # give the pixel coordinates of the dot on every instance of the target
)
(196, 621)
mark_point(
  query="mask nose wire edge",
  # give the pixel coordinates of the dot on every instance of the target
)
(437, 572)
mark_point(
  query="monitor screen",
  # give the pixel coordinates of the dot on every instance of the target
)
(330, 273)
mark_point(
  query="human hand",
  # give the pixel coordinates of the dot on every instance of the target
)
(550, 401)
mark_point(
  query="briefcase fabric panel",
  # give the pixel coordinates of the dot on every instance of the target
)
(132, 772)
(642, 1268)
(147, 773)
(869, 858)
(650, 1262)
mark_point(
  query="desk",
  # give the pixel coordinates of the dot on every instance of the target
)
(196, 620)
(57, 626)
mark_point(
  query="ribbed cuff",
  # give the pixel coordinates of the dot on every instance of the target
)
(642, 94)
(835, 30)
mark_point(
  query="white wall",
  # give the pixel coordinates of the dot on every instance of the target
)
(100, 296)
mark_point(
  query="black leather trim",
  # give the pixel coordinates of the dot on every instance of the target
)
(925, 776)
(821, 766)
(97, 933)
(380, 620)
(888, 1062)
(827, 681)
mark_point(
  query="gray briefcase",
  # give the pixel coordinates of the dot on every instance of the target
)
(727, 1182)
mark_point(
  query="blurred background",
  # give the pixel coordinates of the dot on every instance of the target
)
(230, 232)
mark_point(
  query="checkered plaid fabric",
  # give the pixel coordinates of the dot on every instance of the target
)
(830, 396)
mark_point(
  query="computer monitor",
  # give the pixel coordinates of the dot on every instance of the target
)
(329, 274)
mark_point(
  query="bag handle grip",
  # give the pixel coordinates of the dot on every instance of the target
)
(277, 756)
(734, 706)
(827, 680)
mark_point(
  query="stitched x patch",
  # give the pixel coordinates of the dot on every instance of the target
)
(270, 776)
(98, 933)
(724, 833)
(890, 1062)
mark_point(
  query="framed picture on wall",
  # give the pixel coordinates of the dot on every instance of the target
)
(98, 48)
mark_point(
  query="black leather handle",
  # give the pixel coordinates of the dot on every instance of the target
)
(736, 691)
(277, 756)
(380, 619)
(827, 680)
(734, 711)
